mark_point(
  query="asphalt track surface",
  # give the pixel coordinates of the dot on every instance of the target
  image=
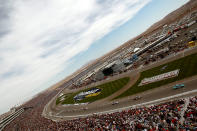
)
(70, 112)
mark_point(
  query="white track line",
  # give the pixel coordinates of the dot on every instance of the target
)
(183, 111)
(133, 106)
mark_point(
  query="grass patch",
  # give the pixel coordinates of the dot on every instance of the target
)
(187, 66)
(59, 99)
(107, 89)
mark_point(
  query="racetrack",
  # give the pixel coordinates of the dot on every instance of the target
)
(151, 95)
(63, 113)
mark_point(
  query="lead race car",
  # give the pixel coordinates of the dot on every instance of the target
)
(177, 86)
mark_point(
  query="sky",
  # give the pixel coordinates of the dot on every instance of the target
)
(43, 41)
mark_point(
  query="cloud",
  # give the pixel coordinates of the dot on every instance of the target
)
(5, 9)
(38, 38)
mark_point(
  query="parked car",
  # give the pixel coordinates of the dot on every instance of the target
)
(177, 86)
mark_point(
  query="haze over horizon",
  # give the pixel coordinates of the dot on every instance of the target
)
(42, 42)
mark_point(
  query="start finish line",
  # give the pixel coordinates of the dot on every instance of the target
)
(160, 77)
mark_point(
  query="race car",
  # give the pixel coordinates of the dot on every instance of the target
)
(137, 98)
(177, 86)
(115, 102)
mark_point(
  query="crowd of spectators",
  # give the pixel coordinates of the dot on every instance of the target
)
(159, 117)
(190, 115)
(31, 119)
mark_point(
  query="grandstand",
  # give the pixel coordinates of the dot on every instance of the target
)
(5, 121)
(179, 114)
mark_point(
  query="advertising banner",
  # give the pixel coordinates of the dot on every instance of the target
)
(160, 77)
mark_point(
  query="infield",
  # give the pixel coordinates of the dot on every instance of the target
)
(107, 89)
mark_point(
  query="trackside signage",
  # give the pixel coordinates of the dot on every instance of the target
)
(160, 77)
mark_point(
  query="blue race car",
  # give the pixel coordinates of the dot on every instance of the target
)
(177, 86)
